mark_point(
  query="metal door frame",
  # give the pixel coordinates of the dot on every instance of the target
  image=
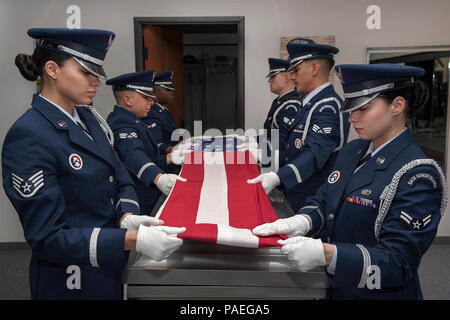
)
(239, 21)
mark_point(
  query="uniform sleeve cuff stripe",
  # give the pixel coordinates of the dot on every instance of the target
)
(128, 201)
(145, 166)
(366, 264)
(297, 174)
(93, 247)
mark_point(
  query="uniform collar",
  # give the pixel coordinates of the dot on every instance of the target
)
(125, 112)
(60, 121)
(374, 152)
(288, 93)
(160, 105)
(383, 159)
(315, 92)
(383, 145)
(75, 117)
(45, 107)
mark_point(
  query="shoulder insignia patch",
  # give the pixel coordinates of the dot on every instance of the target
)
(28, 187)
(288, 121)
(127, 135)
(317, 129)
(415, 224)
(327, 106)
(291, 106)
(422, 176)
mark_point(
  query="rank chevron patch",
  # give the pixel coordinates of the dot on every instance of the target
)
(415, 224)
(127, 136)
(317, 129)
(28, 188)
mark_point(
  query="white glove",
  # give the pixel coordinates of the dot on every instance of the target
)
(158, 242)
(252, 139)
(305, 253)
(252, 147)
(178, 155)
(297, 225)
(268, 181)
(166, 182)
(183, 145)
(132, 222)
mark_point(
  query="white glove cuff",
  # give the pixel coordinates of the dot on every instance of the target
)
(125, 222)
(319, 256)
(139, 240)
(300, 224)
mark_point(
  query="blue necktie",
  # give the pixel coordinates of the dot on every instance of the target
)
(364, 159)
(84, 129)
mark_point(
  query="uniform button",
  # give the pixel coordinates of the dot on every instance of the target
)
(330, 216)
(111, 178)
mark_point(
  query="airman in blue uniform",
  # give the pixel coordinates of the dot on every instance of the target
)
(317, 132)
(160, 120)
(284, 108)
(134, 141)
(379, 210)
(63, 176)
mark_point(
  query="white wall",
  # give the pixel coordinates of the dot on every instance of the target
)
(403, 23)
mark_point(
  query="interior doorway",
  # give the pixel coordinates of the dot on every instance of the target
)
(429, 123)
(207, 57)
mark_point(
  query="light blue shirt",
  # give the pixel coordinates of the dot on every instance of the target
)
(75, 117)
(374, 152)
(314, 92)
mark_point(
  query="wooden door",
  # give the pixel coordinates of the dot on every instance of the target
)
(164, 49)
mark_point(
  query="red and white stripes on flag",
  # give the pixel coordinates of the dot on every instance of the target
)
(216, 204)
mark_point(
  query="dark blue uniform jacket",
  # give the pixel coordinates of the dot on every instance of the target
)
(315, 137)
(70, 193)
(385, 228)
(139, 152)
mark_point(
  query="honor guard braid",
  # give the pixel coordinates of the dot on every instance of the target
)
(388, 194)
(103, 124)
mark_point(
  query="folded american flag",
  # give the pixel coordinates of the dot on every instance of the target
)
(216, 204)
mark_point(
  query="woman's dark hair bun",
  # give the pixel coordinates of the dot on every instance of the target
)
(420, 94)
(26, 66)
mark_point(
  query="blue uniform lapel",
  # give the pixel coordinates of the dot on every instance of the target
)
(62, 122)
(149, 135)
(166, 117)
(345, 169)
(96, 132)
(328, 90)
(380, 161)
